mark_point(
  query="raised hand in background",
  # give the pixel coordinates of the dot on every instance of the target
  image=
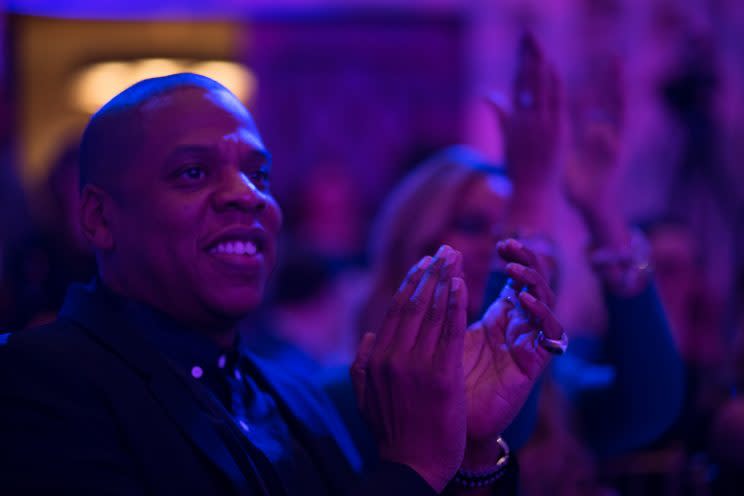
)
(530, 119)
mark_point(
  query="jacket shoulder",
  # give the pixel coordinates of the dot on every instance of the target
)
(57, 333)
(55, 353)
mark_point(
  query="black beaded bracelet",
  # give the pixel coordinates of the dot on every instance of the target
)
(472, 480)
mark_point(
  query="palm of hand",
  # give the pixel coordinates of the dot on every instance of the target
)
(532, 144)
(500, 366)
(591, 171)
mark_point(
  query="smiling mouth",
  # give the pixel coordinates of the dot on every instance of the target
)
(235, 247)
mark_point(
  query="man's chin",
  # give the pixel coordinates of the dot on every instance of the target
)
(235, 304)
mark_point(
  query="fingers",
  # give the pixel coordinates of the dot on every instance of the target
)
(457, 266)
(451, 339)
(541, 314)
(530, 279)
(512, 250)
(496, 318)
(553, 95)
(605, 97)
(527, 82)
(358, 369)
(617, 92)
(399, 301)
(524, 348)
(535, 83)
(433, 318)
(418, 313)
(522, 334)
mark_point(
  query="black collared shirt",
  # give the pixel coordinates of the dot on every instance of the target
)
(225, 375)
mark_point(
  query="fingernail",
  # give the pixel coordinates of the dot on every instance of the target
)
(516, 244)
(512, 267)
(441, 251)
(455, 285)
(528, 297)
(450, 258)
(425, 262)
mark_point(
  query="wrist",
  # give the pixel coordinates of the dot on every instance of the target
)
(624, 268)
(437, 479)
(484, 456)
(485, 468)
(532, 207)
(605, 228)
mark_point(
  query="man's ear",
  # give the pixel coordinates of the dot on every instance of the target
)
(94, 217)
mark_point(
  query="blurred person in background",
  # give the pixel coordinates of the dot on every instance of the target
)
(41, 265)
(306, 322)
(726, 436)
(625, 389)
(684, 145)
(305, 326)
(14, 220)
(324, 215)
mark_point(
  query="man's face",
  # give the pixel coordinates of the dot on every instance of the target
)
(194, 224)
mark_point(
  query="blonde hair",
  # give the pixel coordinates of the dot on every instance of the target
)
(413, 221)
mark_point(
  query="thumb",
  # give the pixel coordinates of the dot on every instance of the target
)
(358, 369)
(496, 320)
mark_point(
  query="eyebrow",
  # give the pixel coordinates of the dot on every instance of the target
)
(263, 155)
(212, 150)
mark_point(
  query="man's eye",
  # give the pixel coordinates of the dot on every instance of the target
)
(193, 173)
(259, 178)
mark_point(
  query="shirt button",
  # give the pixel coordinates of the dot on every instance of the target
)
(221, 361)
(197, 372)
(238, 375)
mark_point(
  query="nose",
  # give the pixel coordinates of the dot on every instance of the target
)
(237, 192)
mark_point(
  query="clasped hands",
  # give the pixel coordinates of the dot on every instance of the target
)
(436, 393)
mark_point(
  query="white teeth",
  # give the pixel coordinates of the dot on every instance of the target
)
(249, 248)
(236, 248)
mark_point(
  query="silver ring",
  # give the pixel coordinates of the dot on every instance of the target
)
(526, 99)
(554, 346)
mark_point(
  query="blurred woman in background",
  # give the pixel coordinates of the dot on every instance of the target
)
(459, 198)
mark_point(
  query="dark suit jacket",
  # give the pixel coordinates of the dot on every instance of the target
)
(88, 406)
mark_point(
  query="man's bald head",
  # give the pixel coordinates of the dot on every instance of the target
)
(113, 138)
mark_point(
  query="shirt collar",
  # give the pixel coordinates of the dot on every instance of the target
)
(190, 350)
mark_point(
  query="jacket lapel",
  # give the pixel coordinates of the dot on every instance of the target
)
(102, 321)
(313, 421)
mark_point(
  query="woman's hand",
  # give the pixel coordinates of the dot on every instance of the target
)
(532, 129)
(592, 171)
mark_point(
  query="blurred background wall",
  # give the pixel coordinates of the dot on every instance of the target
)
(372, 86)
(350, 94)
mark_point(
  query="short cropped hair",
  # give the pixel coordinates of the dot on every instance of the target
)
(114, 135)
